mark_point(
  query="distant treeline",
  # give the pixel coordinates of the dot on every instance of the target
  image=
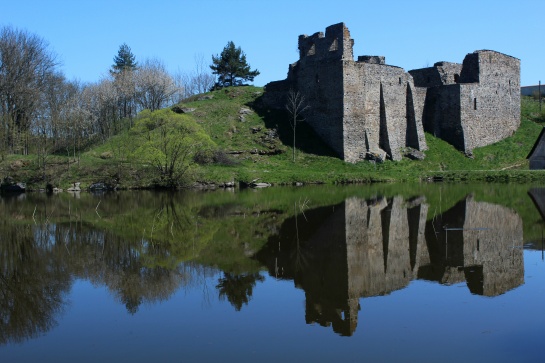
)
(41, 112)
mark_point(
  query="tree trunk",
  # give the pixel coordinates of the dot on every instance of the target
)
(294, 141)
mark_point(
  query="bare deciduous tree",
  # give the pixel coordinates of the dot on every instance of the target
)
(77, 120)
(104, 106)
(125, 84)
(200, 80)
(41, 112)
(155, 88)
(295, 105)
(48, 124)
(25, 67)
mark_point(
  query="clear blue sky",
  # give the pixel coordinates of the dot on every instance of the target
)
(86, 34)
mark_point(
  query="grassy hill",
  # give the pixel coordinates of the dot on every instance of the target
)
(239, 140)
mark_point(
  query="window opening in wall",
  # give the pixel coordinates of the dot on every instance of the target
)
(456, 78)
(312, 50)
(399, 80)
(475, 103)
(317, 79)
(334, 46)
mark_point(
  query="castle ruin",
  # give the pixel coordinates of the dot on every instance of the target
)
(371, 247)
(367, 109)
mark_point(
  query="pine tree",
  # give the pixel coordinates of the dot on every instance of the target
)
(124, 80)
(231, 67)
(124, 60)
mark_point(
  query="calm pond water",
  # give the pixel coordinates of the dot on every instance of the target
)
(380, 273)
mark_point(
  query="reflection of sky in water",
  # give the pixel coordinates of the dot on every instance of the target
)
(426, 320)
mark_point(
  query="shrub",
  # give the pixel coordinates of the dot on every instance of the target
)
(219, 157)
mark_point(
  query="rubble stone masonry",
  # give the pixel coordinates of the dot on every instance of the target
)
(366, 108)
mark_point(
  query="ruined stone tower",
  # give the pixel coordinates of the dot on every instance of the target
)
(368, 109)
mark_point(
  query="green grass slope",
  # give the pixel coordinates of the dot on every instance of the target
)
(248, 143)
(252, 142)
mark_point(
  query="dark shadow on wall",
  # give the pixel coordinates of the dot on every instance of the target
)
(411, 138)
(384, 141)
(306, 139)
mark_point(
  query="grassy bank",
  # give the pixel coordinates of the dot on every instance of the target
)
(245, 142)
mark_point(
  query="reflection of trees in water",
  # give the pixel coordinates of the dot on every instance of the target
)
(238, 289)
(33, 282)
(39, 258)
(110, 260)
(137, 285)
(38, 264)
(133, 246)
(337, 254)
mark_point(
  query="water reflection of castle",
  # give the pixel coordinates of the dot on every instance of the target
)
(363, 248)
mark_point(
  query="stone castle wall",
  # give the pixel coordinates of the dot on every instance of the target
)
(478, 242)
(379, 111)
(371, 247)
(320, 82)
(490, 110)
(441, 74)
(496, 249)
(366, 107)
(473, 104)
